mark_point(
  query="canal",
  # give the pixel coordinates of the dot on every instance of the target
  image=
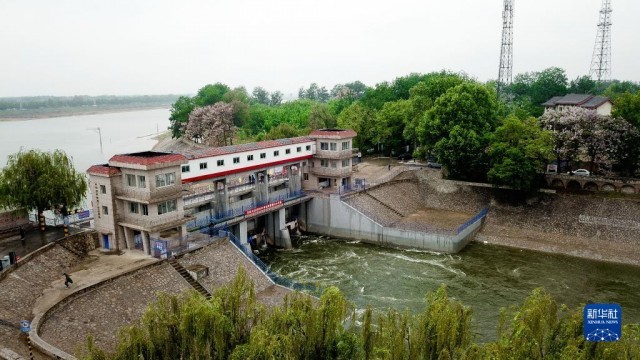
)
(484, 277)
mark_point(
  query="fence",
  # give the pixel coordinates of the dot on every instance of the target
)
(52, 219)
(280, 280)
(471, 221)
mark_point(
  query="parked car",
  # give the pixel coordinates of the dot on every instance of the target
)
(580, 172)
(433, 164)
(405, 156)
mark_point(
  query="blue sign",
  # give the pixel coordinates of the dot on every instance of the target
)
(83, 214)
(25, 326)
(602, 322)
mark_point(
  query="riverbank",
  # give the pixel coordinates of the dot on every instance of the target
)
(24, 115)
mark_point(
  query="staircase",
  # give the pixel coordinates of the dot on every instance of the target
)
(385, 205)
(185, 274)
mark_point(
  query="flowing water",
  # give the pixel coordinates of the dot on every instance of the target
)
(485, 277)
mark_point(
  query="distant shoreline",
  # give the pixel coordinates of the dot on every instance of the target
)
(77, 112)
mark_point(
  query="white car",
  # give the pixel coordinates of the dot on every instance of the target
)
(581, 172)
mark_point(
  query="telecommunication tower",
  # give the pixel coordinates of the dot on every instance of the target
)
(506, 52)
(601, 60)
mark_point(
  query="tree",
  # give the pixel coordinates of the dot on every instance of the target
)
(530, 90)
(210, 94)
(583, 85)
(211, 125)
(458, 128)
(282, 131)
(239, 100)
(180, 111)
(40, 180)
(627, 106)
(260, 95)
(566, 130)
(320, 117)
(276, 98)
(358, 118)
(390, 123)
(519, 150)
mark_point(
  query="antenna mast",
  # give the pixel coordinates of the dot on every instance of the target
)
(601, 60)
(506, 52)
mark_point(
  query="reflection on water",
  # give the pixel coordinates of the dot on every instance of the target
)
(484, 277)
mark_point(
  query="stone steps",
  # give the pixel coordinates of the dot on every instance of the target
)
(385, 205)
(185, 274)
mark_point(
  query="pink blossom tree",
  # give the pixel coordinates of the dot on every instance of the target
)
(211, 125)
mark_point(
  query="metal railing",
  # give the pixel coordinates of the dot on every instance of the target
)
(471, 221)
(58, 220)
(329, 171)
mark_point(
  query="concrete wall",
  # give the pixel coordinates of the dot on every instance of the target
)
(331, 216)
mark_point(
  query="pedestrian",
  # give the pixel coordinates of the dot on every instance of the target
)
(67, 280)
(389, 167)
(22, 236)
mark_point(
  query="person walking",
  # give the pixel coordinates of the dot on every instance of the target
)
(22, 236)
(67, 280)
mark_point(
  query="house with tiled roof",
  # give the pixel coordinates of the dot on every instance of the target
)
(602, 105)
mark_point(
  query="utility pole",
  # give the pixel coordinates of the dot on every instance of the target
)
(601, 60)
(100, 134)
(505, 75)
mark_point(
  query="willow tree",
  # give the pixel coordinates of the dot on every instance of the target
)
(38, 180)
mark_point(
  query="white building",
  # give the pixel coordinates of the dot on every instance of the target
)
(602, 105)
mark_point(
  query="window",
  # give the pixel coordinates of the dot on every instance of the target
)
(345, 145)
(166, 207)
(299, 149)
(334, 164)
(287, 151)
(334, 147)
(145, 209)
(263, 155)
(131, 180)
(276, 153)
(324, 146)
(236, 160)
(249, 157)
(105, 210)
(308, 147)
(220, 162)
(103, 189)
(345, 163)
(142, 181)
(134, 208)
(165, 179)
(203, 166)
(305, 176)
(324, 163)
(304, 163)
(186, 168)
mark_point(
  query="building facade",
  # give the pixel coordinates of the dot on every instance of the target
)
(137, 198)
(331, 163)
(601, 105)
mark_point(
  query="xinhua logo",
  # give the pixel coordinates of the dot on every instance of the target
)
(602, 322)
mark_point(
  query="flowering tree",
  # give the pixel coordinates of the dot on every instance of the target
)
(211, 125)
(567, 133)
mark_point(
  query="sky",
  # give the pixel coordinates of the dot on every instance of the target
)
(128, 47)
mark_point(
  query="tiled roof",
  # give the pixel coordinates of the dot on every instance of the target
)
(147, 158)
(333, 133)
(232, 149)
(574, 99)
(595, 101)
(104, 170)
(552, 102)
(583, 100)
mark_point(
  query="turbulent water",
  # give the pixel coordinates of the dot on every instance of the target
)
(485, 277)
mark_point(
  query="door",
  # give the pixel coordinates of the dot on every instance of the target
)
(105, 241)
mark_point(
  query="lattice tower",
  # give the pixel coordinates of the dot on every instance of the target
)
(601, 60)
(506, 52)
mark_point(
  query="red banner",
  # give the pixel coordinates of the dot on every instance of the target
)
(264, 207)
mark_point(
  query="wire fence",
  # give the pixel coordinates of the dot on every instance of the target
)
(471, 221)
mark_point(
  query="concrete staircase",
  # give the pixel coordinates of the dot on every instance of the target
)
(185, 274)
(385, 205)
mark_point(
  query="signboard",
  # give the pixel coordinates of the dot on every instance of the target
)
(83, 214)
(25, 326)
(552, 169)
(264, 208)
(602, 322)
(66, 220)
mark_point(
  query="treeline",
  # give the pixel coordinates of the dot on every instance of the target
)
(54, 102)
(233, 325)
(460, 122)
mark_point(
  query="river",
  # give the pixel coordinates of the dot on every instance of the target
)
(76, 135)
(484, 277)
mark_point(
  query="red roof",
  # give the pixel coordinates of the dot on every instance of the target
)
(232, 149)
(334, 132)
(147, 158)
(104, 170)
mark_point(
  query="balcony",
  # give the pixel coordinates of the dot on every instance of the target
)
(337, 154)
(146, 195)
(153, 222)
(331, 172)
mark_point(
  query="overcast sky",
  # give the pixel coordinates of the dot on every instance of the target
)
(63, 47)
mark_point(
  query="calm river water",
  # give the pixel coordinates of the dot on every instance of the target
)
(121, 133)
(485, 277)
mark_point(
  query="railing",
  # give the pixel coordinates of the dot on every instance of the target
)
(280, 280)
(329, 171)
(150, 223)
(471, 221)
(58, 220)
(194, 200)
(335, 154)
(146, 194)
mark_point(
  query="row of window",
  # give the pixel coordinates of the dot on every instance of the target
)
(161, 180)
(137, 208)
(334, 163)
(236, 160)
(334, 146)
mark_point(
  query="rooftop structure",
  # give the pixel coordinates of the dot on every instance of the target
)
(602, 105)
